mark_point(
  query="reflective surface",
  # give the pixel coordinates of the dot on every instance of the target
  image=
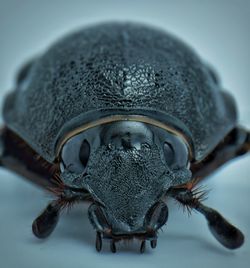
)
(72, 243)
(219, 31)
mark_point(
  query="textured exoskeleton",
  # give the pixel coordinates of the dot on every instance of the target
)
(121, 115)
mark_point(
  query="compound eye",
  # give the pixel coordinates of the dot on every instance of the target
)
(84, 153)
(169, 153)
(75, 155)
(175, 152)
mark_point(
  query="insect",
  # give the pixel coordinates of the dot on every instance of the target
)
(122, 116)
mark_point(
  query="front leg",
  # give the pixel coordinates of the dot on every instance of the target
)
(227, 234)
(16, 155)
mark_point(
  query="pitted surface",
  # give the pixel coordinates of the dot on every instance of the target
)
(118, 66)
(128, 182)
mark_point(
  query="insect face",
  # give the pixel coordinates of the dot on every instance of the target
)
(127, 168)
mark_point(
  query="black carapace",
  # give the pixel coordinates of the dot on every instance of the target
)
(122, 116)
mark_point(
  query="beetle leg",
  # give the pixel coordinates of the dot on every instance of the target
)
(112, 246)
(1, 146)
(227, 234)
(16, 155)
(98, 243)
(153, 243)
(143, 246)
(237, 143)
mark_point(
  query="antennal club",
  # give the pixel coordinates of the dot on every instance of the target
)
(227, 234)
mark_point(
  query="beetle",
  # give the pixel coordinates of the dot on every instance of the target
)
(121, 115)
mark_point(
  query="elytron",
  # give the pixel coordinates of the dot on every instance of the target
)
(121, 115)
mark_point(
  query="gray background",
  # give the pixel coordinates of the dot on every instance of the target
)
(219, 31)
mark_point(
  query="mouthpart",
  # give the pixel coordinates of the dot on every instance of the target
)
(155, 218)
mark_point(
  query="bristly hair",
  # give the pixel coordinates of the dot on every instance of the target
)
(192, 184)
(22, 155)
(68, 203)
(199, 194)
(58, 185)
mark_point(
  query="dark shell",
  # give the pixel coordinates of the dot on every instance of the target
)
(119, 68)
